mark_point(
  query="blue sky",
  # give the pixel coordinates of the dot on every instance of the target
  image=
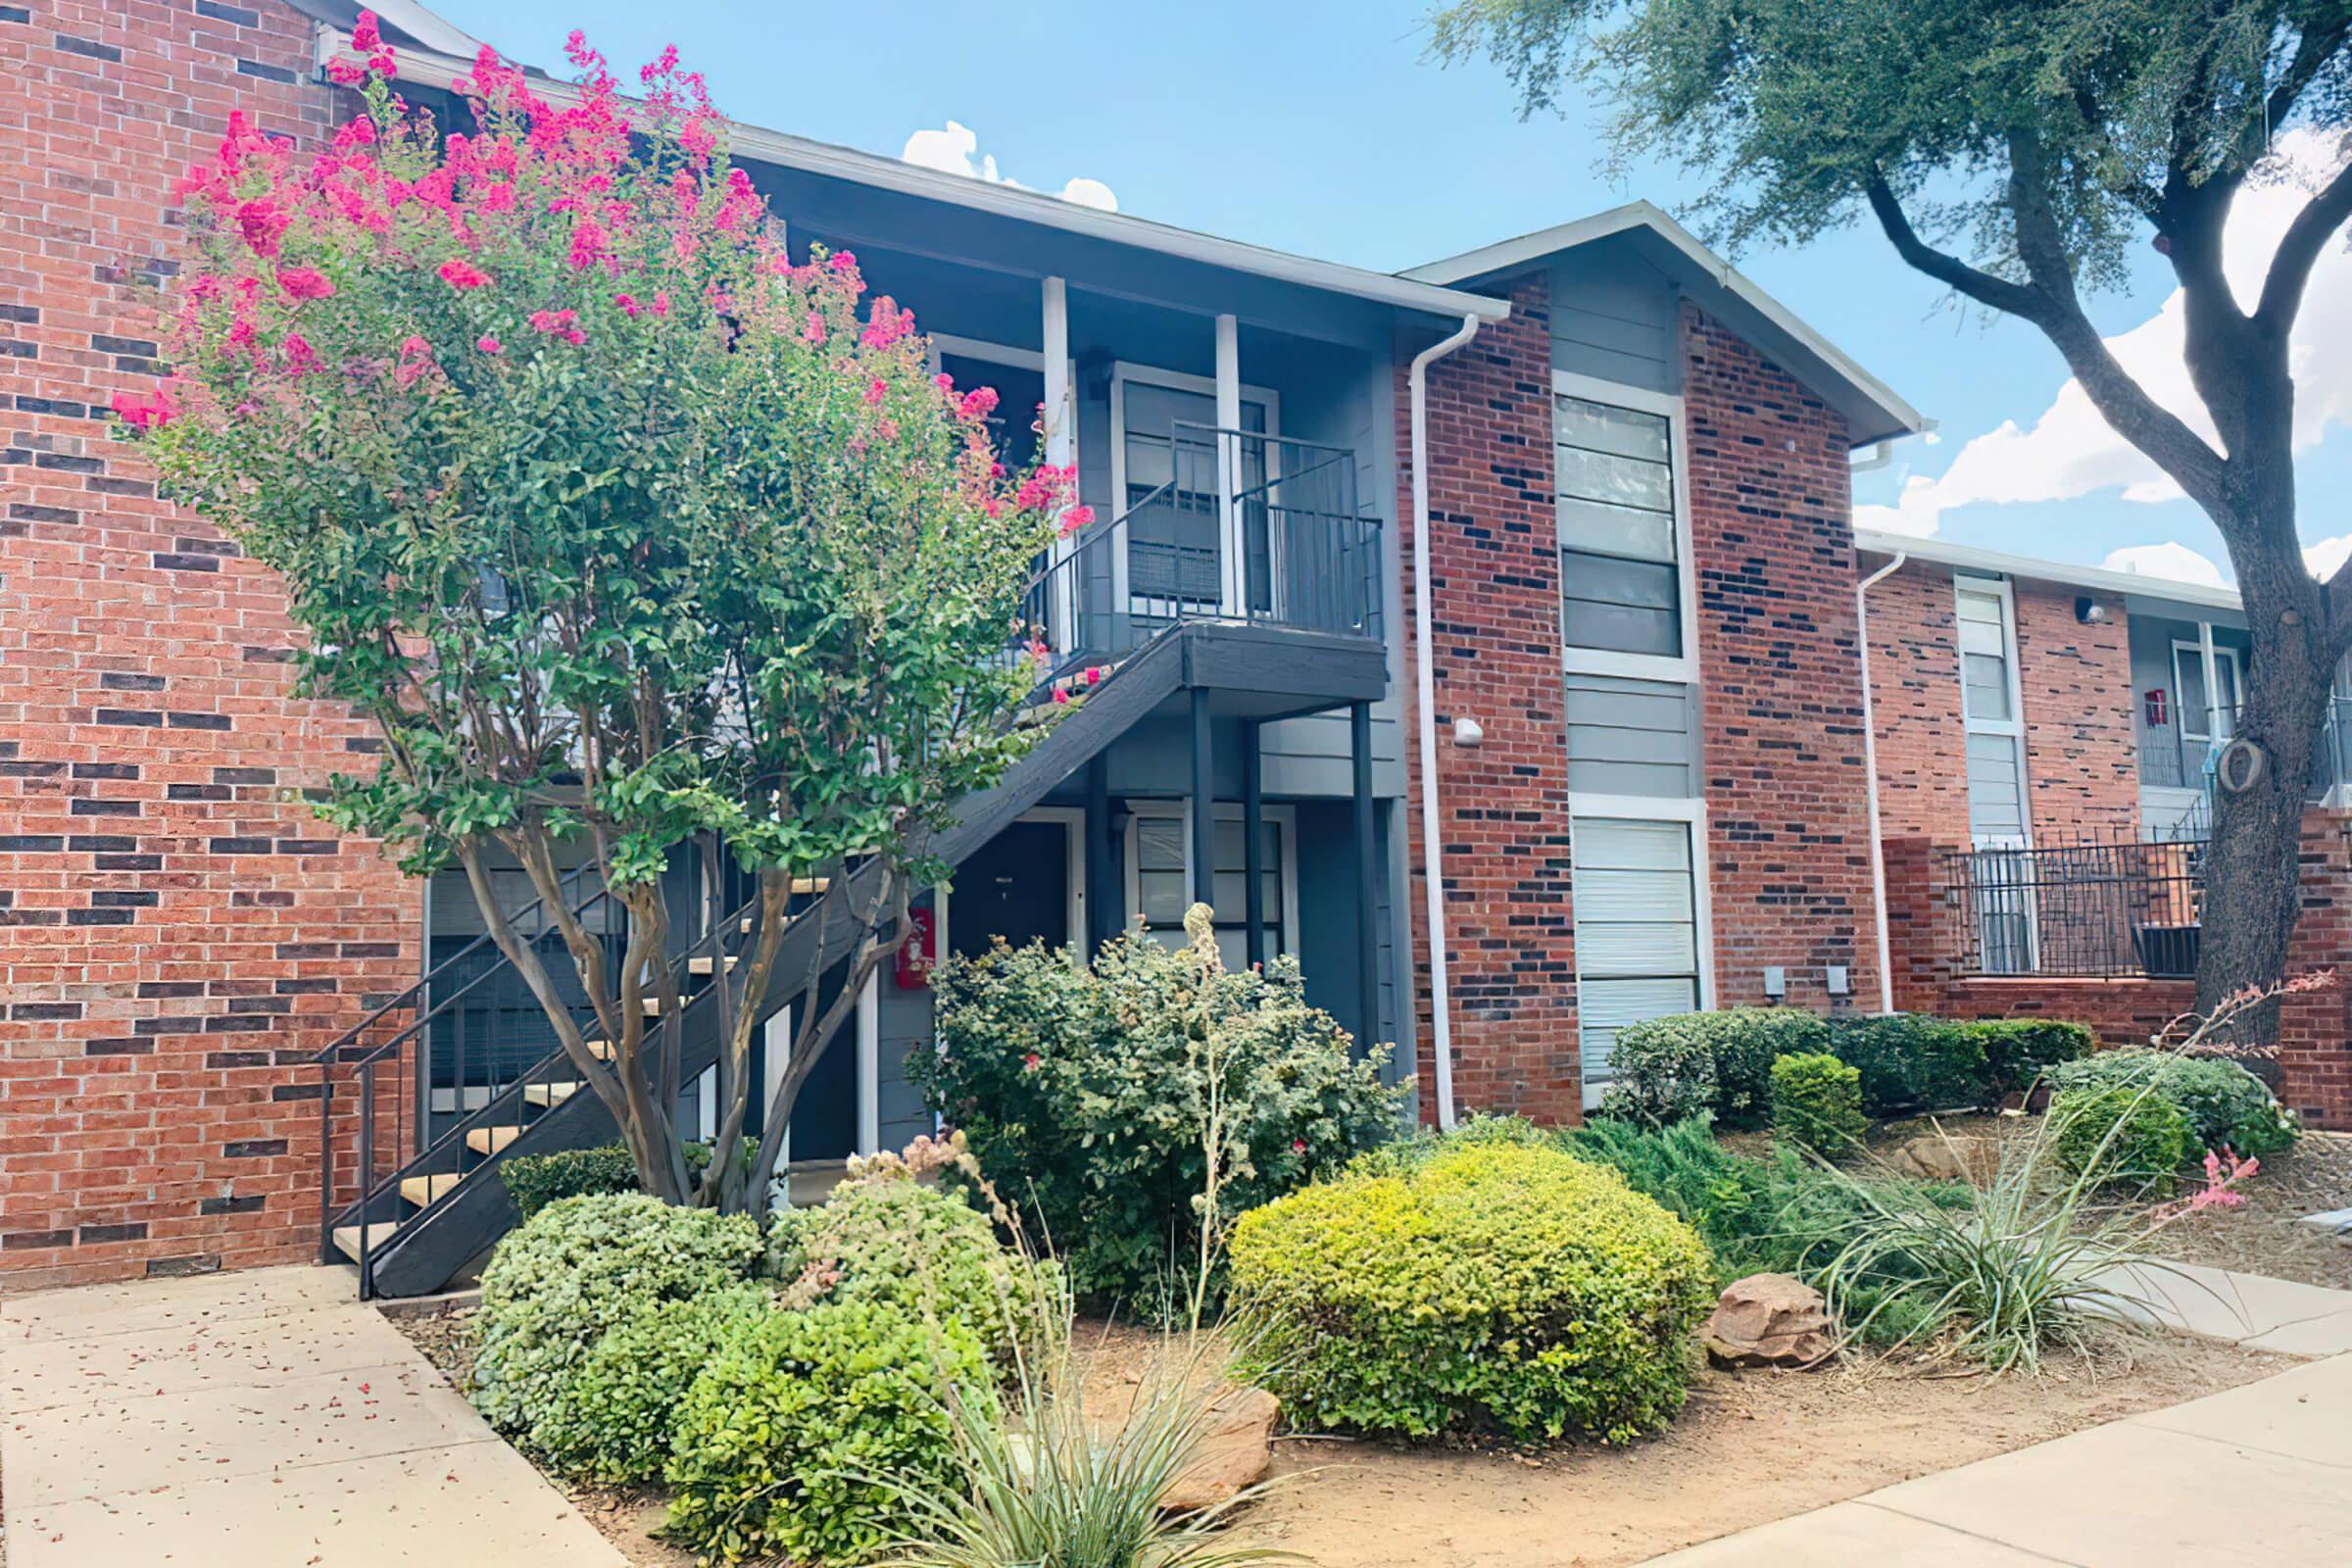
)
(1320, 128)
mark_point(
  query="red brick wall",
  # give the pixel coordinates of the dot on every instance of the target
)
(1772, 532)
(1494, 570)
(2315, 1028)
(1914, 701)
(2082, 759)
(176, 935)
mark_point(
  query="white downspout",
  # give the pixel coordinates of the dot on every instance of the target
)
(1870, 764)
(1425, 684)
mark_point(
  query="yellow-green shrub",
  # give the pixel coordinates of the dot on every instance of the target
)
(1491, 1283)
(1817, 1101)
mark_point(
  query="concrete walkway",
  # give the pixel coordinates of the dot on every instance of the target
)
(265, 1417)
(2262, 1473)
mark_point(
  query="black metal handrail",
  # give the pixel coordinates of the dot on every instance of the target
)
(2090, 909)
(368, 1191)
(1247, 528)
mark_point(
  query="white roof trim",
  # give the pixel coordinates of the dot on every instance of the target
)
(1971, 558)
(1513, 253)
(1027, 206)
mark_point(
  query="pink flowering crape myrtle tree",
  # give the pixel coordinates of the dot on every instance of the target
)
(637, 540)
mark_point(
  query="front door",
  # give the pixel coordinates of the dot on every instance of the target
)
(1017, 886)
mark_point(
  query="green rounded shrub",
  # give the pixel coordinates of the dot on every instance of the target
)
(890, 1240)
(1911, 1063)
(801, 1439)
(1716, 1062)
(579, 1268)
(535, 1181)
(2150, 1139)
(610, 1419)
(1817, 1102)
(1492, 1284)
(2019, 1050)
(2226, 1107)
(1082, 1089)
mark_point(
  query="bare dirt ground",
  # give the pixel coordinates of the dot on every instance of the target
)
(1749, 1447)
(2266, 1236)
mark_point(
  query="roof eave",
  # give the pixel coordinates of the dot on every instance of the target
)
(2098, 579)
(433, 69)
(1897, 416)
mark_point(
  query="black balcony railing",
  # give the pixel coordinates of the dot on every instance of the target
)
(2096, 909)
(1240, 526)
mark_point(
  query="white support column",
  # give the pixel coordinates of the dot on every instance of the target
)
(1060, 416)
(869, 1066)
(1229, 463)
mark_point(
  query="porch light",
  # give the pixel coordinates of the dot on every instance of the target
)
(2088, 611)
(1468, 733)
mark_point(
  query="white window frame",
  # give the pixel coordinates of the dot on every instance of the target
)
(1064, 633)
(1229, 545)
(1604, 662)
(1226, 811)
(1692, 813)
(2014, 727)
(2221, 655)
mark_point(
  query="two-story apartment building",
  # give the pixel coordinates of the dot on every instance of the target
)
(1483, 636)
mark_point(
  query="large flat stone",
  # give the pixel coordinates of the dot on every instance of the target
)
(2249, 1309)
(218, 1352)
(2131, 1496)
(1850, 1535)
(478, 1504)
(138, 1305)
(117, 1446)
(2305, 1414)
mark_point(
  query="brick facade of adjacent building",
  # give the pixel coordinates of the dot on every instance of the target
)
(1788, 814)
(1495, 583)
(177, 932)
(2315, 1055)
(2074, 682)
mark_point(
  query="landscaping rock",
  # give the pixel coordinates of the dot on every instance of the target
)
(1769, 1320)
(1236, 1452)
(1947, 1158)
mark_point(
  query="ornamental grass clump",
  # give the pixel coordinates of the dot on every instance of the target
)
(1491, 1285)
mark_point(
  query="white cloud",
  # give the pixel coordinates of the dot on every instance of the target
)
(2173, 562)
(2328, 555)
(2070, 451)
(955, 150)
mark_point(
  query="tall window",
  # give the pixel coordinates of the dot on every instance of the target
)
(1998, 822)
(1620, 545)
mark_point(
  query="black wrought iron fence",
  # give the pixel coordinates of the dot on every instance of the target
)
(2091, 909)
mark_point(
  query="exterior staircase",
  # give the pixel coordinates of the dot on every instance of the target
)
(414, 1213)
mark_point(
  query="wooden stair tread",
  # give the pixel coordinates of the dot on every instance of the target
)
(550, 1094)
(347, 1237)
(490, 1140)
(422, 1190)
(701, 963)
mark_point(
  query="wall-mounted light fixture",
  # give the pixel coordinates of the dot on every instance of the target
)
(2088, 611)
(1468, 732)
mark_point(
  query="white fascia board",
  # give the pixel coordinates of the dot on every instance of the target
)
(1971, 558)
(1507, 255)
(756, 142)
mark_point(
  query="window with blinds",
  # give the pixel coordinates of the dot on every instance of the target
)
(1620, 571)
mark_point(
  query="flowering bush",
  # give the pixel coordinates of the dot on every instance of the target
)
(1084, 1091)
(623, 527)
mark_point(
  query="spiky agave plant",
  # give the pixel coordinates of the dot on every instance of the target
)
(2037, 1258)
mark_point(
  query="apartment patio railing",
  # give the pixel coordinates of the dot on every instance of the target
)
(2096, 909)
(1241, 526)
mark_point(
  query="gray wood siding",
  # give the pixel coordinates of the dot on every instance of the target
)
(1613, 317)
(1632, 737)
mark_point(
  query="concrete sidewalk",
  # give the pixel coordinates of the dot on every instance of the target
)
(2262, 1473)
(255, 1418)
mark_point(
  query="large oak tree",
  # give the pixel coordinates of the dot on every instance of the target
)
(2015, 151)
